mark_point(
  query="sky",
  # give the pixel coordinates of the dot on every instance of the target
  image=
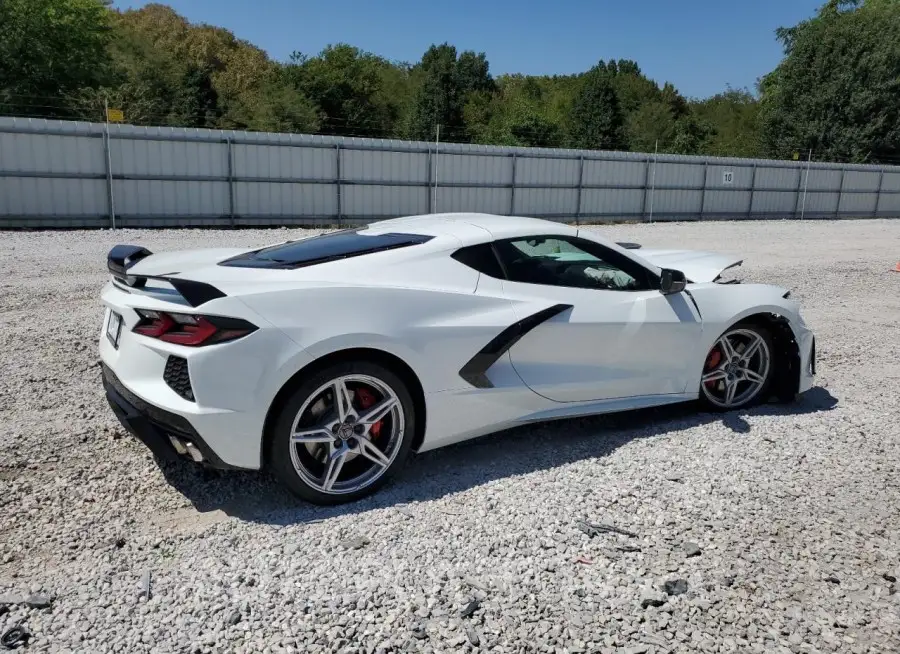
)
(701, 46)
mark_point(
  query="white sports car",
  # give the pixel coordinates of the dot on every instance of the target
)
(328, 359)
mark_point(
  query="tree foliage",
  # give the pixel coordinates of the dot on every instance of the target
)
(835, 92)
(597, 121)
(50, 48)
(448, 81)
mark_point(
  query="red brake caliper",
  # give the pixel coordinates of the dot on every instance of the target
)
(367, 399)
(714, 359)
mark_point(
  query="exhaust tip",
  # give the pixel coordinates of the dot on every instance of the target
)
(195, 453)
(178, 445)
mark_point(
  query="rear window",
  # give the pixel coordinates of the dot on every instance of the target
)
(323, 248)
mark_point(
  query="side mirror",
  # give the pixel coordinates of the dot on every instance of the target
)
(671, 281)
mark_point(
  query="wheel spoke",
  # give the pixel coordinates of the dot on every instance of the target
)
(727, 348)
(715, 375)
(317, 435)
(329, 457)
(343, 400)
(752, 349)
(378, 411)
(752, 376)
(730, 390)
(333, 469)
(368, 449)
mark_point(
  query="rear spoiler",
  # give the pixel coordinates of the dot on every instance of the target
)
(122, 257)
(629, 246)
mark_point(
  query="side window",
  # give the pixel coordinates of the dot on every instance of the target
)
(562, 261)
(481, 258)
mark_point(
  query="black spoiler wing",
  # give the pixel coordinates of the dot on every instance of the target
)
(122, 257)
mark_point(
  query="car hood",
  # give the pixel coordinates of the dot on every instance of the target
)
(697, 266)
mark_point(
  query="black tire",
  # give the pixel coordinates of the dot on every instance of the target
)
(279, 453)
(762, 395)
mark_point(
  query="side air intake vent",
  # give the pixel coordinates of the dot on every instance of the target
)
(177, 377)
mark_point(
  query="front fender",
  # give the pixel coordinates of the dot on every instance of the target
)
(722, 306)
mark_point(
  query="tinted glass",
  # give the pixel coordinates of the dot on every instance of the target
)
(481, 258)
(553, 261)
(326, 247)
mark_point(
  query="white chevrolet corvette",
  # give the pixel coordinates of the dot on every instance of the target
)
(328, 359)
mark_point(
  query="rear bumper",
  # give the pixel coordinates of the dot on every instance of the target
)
(156, 427)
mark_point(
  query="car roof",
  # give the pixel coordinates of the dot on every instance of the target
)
(472, 228)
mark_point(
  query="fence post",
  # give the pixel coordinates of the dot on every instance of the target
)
(512, 189)
(703, 191)
(230, 151)
(653, 182)
(837, 209)
(580, 187)
(337, 180)
(428, 180)
(878, 194)
(437, 163)
(805, 187)
(110, 195)
(752, 189)
(646, 189)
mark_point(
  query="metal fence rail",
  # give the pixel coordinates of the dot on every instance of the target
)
(72, 174)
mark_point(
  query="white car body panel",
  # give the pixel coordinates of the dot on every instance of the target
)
(611, 351)
(698, 267)
(610, 345)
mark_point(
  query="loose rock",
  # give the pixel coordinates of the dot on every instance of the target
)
(770, 530)
(470, 608)
(38, 601)
(676, 587)
(358, 542)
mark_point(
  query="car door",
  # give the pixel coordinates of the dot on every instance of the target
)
(621, 337)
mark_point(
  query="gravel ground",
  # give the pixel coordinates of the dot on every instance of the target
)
(778, 528)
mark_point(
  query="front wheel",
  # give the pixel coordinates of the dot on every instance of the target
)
(343, 433)
(739, 369)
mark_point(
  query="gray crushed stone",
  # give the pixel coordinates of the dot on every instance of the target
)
(476, 547)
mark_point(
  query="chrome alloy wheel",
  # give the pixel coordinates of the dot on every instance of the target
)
(347, 434)
(736, 369)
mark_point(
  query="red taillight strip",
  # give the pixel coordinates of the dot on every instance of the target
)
(205, 331)
(156, 327)
(191, 334)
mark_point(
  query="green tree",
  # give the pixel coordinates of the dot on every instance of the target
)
(447, 83)
(691, 135)
(50, 48)
(734, 119)
(596, 121)
(199, 76)
(650, 125)
(836, 90)
(347, 86)
(633, 89)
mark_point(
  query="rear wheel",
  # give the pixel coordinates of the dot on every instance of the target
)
(343, 433)
(739, 369)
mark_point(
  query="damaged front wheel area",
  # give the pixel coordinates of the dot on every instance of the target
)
(738, 369)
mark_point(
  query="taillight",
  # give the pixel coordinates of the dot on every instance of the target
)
(191, 330)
